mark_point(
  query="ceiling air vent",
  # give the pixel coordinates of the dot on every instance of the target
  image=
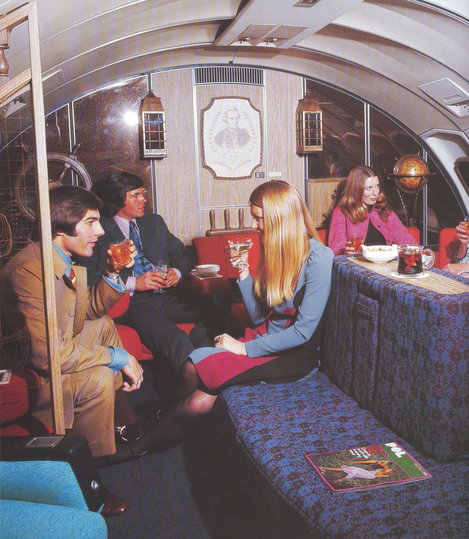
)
(229, 75)
(449, 95)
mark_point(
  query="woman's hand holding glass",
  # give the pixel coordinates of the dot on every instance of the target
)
(462, 233)
(353, 245)
(238, 253)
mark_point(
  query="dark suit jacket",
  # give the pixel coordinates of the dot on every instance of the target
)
(158, 243)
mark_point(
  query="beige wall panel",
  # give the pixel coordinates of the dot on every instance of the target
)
(176, 182)
(320, 197)
(215, 192)
(282, 94)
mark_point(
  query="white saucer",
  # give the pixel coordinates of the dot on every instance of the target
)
(416, 276)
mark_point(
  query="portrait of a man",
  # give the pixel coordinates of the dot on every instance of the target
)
(233, 137)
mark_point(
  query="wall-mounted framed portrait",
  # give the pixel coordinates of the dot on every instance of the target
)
(231, 138)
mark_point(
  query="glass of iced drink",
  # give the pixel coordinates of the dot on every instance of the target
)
(120, 253)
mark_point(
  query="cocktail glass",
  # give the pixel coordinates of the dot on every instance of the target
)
(235, 249)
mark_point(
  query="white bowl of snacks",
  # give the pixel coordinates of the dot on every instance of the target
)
(379, 254)
(207, 270)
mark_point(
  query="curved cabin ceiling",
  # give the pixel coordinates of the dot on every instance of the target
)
(387, 51)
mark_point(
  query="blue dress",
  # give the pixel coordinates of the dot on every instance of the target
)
(282, 344)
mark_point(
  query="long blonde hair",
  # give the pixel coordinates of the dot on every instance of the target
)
(287, 231)
(351, 203)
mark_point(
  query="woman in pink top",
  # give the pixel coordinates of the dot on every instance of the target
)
(363, 212)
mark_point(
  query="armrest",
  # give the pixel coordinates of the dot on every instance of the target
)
(50, 469)
(213, 285)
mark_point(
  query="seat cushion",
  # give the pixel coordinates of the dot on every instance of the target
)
(19, 395)
(268, 429)
(26, 520)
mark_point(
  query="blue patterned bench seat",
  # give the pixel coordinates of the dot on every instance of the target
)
(402, 352)
(268, 429)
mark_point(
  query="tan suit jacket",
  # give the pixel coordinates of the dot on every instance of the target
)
(82, 344)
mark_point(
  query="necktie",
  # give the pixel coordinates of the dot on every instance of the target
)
(142, 264)
(70, 280)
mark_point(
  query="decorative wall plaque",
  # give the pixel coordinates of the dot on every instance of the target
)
(231, 138)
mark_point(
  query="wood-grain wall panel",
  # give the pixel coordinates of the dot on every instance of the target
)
(175, 175)
(282, 94)
(185, 190)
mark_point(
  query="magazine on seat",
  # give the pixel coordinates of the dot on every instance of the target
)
(367, 467)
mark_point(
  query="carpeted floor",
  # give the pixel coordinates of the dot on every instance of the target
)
(186, 493)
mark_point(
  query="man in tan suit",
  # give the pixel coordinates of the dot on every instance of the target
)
(91, 352)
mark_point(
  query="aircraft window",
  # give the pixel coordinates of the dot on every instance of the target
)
(461, 166)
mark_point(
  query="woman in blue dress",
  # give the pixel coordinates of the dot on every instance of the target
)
(285, 299)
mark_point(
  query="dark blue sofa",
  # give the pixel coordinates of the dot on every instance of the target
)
(266, 430)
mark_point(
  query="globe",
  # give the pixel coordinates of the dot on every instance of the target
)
(411, 173)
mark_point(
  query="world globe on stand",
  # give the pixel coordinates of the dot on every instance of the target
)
(410, 173)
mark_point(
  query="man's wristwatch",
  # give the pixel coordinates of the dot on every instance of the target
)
(113, 276)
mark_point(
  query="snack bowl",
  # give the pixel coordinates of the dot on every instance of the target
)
(207, 270)
(379, 254)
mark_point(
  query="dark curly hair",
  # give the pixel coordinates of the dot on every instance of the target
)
(113, 190)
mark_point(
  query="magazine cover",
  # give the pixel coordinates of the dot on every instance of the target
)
(367, 467)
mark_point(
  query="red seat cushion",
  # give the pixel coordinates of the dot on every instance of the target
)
(448, 244)
(19, 395)
(130, 340)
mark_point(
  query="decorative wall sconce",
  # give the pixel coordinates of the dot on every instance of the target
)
(152, 128)
(308, 126)
(4, 67)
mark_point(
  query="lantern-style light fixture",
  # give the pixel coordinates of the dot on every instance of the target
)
(308, 126)
(152, 128)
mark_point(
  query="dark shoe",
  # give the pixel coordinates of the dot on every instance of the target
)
(124, 453)
(113, 505)
(128, 433)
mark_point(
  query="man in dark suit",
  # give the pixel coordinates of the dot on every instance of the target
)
(156, 303)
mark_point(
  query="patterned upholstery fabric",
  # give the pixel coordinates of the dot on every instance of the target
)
(41, 482)
(25, 520)
(267, 430)
(402, 352)
(43, 500)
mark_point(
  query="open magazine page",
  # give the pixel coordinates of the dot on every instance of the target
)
(367, 467)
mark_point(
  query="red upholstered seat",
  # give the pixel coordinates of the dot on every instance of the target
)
(17, 398)
(448, 245)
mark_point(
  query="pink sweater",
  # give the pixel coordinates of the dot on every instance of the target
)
(342, 228)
